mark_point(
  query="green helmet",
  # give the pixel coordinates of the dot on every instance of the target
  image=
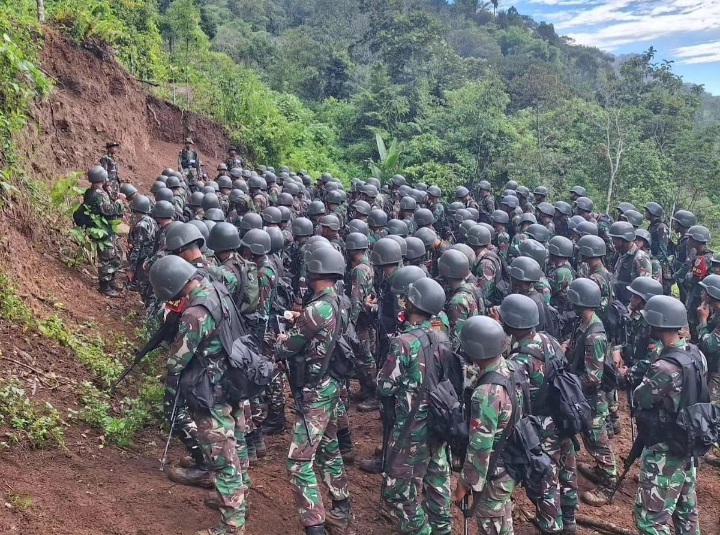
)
(423, 217)
(624, 207)
(326, 261)
(169, 275)
(398, 180)
(454, 207)
(522, 190)
(509, 201)
(356, 241)
(128, 189)
(538, 232)
(654, 209)
(163, 210)
(210, 200)
(385, 252)
(272, 215)
(684, 218)
(528, 218)
(579, 191)
(377, 218)
(140, 203)
(462, 215)
(362, 207)
(397, 228)
(164, 194)
(563, 207)
(157, 186)
(590, 246)
(330, 221)
(173, 182)
(586, 228)
(478, 236)
(461, 192)
(633, 217)
(251, 220)
(415, 248)
(665, 312)
(302, 226)
(560, 246)
(483, 338)
(183, 236)
(526, 269)
(541, 191)
(642, 234)
(97, 174)
(699, 233)
(465, 226)
(401, 242)
(197, 196)
(214, 214)
(434, 191)
(285, 214)
(484, 185)
(427, 295)
(546, 208)
(358, 225)
(584, 204)
(277, 240)
(467, 251)
(500, 217)
(533, 249)
(204, 230)
(403, 277)
(584, 293)
(285, 199)
(316, 208)
(334, 197)
(408, 203)
(453, 264)
(257, 240)
(622, 230)
(519, 312)
(427, 236)
(224, 237)
(645, 288)
(711, 283)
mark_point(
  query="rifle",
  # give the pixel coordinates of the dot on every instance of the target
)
(388, 417)
(465, 510)
(635, 451)
(166, 331)
(173, 415)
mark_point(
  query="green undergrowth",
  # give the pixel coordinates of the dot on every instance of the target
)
(29, 422)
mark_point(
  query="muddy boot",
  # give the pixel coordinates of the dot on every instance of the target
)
(599, 496)
(569, 523)
(251, 451)
(222, 530)
(615, 424)
(371, 466)
(274, 424)
(591, 473)
(346, 446)
(190, 476)
(315, 530)
(337, 519)
(107, 290)
(115, 285)
(260, 447)
(194, 460)
(369, 405)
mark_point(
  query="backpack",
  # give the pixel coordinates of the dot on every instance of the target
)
(248, 292)
(340, 361)
(249, 373)
(616, 321)
(519, 446)
(81, 217)
(561, 395)
(611, 377)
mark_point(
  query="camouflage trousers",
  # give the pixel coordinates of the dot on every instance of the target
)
(256, 417)
(216, 435)
(559, 490)
(613, 406)
(366, 336)
(666, 492)
(596, 440)
(109, 258)
(321, 447)
(240, 444)
(276, 393)
(417, 469)
(341, 411)
(183, 426)
(494, 510)
(714, 387)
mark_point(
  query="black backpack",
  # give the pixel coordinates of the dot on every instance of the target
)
(616, 321)
(341, 360)
(249, 373)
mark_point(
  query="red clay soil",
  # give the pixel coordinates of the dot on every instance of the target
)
(92, 490)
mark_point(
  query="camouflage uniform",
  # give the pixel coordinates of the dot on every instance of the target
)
(142, 242)
(377, 235)
(438, 212)
(700, 269)
(461, 306)
(502, 242)
(560, 276)
(587, 362)
(184, 159)
(666, 489)
(544, 287)
(560, 490)
(178, 202)
(551, 227)
(112, 186)
(710, 344)
(260, 201)
(361, 286)
(413, 466)
(435, 254)
(215, 426)
(602, 278)
(273, 192)
(485, 270)
(487, 207)
(628, 267)
(308, 343)
(513, 252)
(108, 249)
(491, 412)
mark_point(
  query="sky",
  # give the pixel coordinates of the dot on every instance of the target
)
(685, 31)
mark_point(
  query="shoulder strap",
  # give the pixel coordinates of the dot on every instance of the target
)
(497, 379)
(335, 304)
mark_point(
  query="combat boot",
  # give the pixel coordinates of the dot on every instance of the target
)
(274, 424)
(569, 522)
(190, 476)
(260, 447)
(599, 496)
(592, 473)
(338, 518)
(371, 466)
(107, 290)
(115, 285)
(369, 405)
(346, 446)
(315, 530)
(222, 530)
(251, 451)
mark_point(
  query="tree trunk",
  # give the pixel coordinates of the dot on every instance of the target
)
(41, 11)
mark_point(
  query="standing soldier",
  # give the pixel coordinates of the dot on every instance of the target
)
(666, 492)
(142, 240)
(541, 194)
(308, 348)
(199, 345)
(546, 215)
(189, 159)
(109, 163)
(644, 242)
(493, 409)
(523, 195)
(486, 202)
(488, 266)
(500, 220)
(681, 222)
(586, 352)
(562, 212)
(233, 161)
(591, 250)
(435, 205)
(461, 304)
(416, 461)
(98, 202)
(698, 239)
(710, 336)
(560, 273)
(630, 262)
(659, 241)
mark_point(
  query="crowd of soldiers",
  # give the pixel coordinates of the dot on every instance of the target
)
(500, 283)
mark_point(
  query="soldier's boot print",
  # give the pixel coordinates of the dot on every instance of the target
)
(337, 519)
(346, 446)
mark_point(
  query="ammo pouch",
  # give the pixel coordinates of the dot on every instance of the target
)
(196, 387)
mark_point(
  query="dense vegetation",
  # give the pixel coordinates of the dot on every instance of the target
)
(466, 90)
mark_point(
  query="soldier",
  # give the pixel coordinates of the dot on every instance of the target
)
(698, 239)
(562, 212)
(526, 219)
(109, 163)
(408, 207)
(198, 344)
(416, 463)
(302, 229)
(492, 410)
(329, 229)
(681, 222)
(630, 262)
(377, 221)
(667, 477)
(308, 348)
(531, 350)
(560, 273)
(523, 195)
(591, 250)
(486, 201)
(233, 160)
(98, 202)
(500, 220)
(461, 301)
(462, 194)
(583, 206)
(576, 192)
(142, 240)
(509, 204)
(525, 273)
(586, 353)
(710, 336)
(435, 205)
(385, 257)
(537, 251)
(333, 203)
(659, 241)
(257, 187)
(315, 212)
(178, 196)
(488, 266)
(541, 194)
(189, 159)
(643, 240)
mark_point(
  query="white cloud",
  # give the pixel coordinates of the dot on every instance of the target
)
(696, 54)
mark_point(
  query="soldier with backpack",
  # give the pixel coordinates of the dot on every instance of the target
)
(533, 351)
(677, 380)
(141, 241)
(587, 352)
(709, 335)
(462, 302)
(414, 460)
(630, 261)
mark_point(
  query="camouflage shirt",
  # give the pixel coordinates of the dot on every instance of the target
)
(641, 266)
(314, 333)
(99, 203)
(142, 240)
(513, 252)
(110, 165)
(267, 283)
(502, 242)
(260, 202)
(710, 344)
(485, 271)
(361, 286)
(602, 278)
(438, 211)
(376, 236)
(461, 306)
(490, 413)
(543, 287)
(487, 204)
(593, 352)
(525, 353)
(560, 276)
